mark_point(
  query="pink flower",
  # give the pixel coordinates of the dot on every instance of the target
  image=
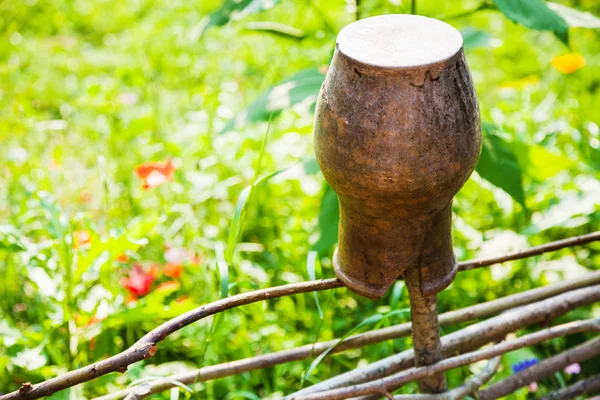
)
(81, 239)
(573, 369)
(128, 98)
(533, 387)
(174, 255)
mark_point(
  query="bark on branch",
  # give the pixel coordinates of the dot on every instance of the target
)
(394, 332)
(532, 251)
(147, 345)
(425, 331)
(468, 338)
(541, 370)
(588, 385)
(395, 381)
(469, 387)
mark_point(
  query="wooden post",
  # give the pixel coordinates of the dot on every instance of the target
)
(397, 134)
(425, 332)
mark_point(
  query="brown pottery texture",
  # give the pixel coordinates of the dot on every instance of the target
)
(397, 134)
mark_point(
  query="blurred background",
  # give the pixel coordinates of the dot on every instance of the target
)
(132, 134)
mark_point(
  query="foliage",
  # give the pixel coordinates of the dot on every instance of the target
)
(94, 252)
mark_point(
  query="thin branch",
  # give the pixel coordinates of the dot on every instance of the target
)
(473, 384)
(146, 346)
(469, 387)
(589, 385)
(468, 338)
(364, 339)
(395, 381)
(541, 370)
(533, 251)
(425, 331)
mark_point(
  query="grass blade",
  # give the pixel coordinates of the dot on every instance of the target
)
(364, 323)
(241, 205)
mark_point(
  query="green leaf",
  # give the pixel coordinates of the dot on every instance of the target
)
(241, 394)
(302, 87)
(500, 166)
(235, 229)
(311, 260)
(11, 239)
(575, 18)
(534, 14)
(223, 268)
(236, 10)
(241, 205)
(311, 166)
(31, 359)
(538, 162)
(276, 28)
(364, 323)
(474, 38)
(329, 219)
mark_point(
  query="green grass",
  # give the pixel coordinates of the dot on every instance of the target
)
(91, 89)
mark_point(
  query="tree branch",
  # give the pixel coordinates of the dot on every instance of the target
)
(469, 387)
(425, 331)
(533, 251)
(364, 339)
(146, 346)
(395, 381)
(589, 385)
(541, 370)
(468, 338)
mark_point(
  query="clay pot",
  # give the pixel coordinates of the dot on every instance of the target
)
(397, 134)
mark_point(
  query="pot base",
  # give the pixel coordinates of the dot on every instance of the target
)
(371, 291)
(376, 292)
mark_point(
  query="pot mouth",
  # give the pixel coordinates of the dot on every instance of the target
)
(399, 41)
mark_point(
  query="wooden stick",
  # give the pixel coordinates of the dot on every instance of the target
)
(541, 370)
(588, 385)
(469, 387)
(147, 346)
(533, 251)
(425, 331)
(392, 382)
(394, 332)
(468, 338)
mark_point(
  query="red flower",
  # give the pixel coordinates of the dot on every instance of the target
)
(155, 173)
(173, 270)
(123, 258)
(139, 282)
(81, 239)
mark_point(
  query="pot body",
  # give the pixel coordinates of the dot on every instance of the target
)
(396, 145)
